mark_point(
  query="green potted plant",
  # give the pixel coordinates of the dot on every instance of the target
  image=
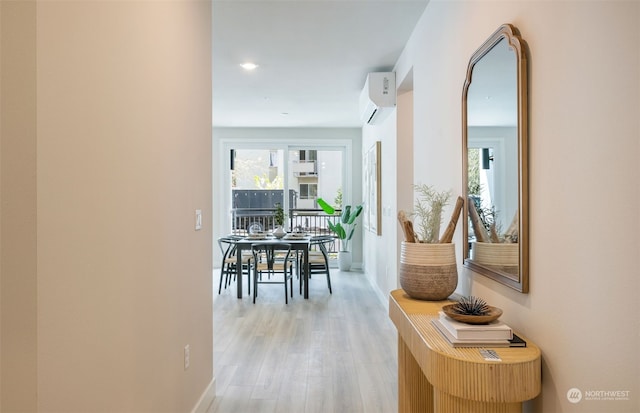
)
(344, 229)
(278, 218)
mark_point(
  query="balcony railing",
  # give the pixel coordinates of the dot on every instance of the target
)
(311, 221)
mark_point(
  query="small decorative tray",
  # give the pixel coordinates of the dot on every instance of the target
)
(295, 236)
(493, 314)
(257, 237)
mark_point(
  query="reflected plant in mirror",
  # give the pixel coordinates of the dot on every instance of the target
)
(494, 111)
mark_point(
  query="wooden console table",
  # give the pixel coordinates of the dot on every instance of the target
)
(434, 377)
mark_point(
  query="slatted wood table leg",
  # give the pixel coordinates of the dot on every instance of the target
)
(415, 393)
(446, 403)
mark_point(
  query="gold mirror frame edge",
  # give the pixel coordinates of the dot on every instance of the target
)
(512, 35)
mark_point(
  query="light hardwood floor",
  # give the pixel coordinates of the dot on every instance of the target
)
(330, 353)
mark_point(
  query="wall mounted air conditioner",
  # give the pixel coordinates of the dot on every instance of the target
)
(378, 97)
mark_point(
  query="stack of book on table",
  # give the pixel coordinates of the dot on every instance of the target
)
(494, 334)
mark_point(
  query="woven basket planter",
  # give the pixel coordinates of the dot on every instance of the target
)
(428, 271)
(503, 256)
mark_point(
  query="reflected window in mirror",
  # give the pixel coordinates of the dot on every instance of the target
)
(495, 159)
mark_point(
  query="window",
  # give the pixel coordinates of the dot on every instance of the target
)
(308, 155)
(308, 191)
(264, 169)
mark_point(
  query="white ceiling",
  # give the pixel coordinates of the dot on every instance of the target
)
(313, 57)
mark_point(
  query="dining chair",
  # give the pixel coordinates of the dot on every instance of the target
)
(319, 257)
(273, 259)
(229, 263)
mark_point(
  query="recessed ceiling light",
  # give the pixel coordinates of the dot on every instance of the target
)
(249, 66)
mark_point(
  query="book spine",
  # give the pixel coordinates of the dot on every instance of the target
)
(453, 342)
(478, 333)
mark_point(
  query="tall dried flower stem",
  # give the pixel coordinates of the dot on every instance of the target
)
(428, 210)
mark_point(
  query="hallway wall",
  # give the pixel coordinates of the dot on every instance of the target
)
(584, 148)
(106, 154)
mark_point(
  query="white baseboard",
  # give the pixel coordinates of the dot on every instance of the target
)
(206, 399)
(376, 289)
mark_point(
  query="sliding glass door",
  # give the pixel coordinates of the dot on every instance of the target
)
(316, 173)
(262, 177)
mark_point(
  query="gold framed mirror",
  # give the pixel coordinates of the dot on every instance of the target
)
(495, 167)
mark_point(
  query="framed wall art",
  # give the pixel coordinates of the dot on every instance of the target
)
(372, 187)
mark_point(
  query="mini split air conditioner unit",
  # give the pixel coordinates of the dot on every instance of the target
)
(378, 97)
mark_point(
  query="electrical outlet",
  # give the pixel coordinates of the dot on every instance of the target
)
(187, 356)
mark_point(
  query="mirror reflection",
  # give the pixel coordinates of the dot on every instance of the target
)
(493, 108)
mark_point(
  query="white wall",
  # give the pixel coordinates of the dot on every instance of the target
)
(378, 266)
(584, 101)
(105, 159)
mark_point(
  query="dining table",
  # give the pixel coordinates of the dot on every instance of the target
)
(298, 244)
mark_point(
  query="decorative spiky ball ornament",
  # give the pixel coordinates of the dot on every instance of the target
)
(471, 306)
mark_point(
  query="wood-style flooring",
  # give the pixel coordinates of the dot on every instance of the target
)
(331, 353)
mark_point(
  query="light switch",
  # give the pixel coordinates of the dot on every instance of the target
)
(198, 219)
